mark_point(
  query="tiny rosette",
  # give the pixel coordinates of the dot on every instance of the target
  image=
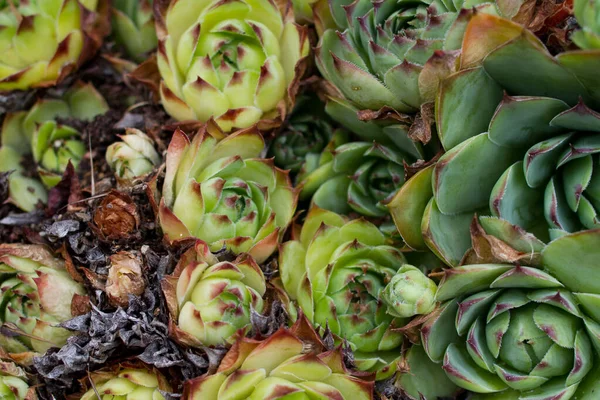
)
(410, 293)
(127, 382)
(134, 156)
(212, 301)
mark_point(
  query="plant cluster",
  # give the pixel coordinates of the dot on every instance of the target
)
(300, 199)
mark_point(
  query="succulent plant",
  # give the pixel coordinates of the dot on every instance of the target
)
(127, 382)
(223, 193)
(81, 101)
(534, 165)
(522, 332)
(133, 27)
(409, 293)
(212, 301)
(290, 364)
(13, 382)
(336, 270)
(238, 63)
(37, 294)
(360, 175)
(43, 41)
(298, 146)
(132, 157)
(54, 147)
(377, 57)
(587, 13)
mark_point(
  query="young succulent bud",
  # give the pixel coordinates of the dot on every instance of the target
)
(214, 299)
(132, 157)
(409, 293)
(127, 382)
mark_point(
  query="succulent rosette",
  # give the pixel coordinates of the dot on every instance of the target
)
(513, 332)
(377, 56)
(13, 383)
(37, 294)
(52, 145)
(133, 156)
(409, 293)
(43, 41)
(587, 13)
(336, 270)
(81, 101)
(212, 301)
(529, 154)
(290, 364)
(223, 193)
(237, 62)
(360, 175)
(127, 381)
(298, 146)
(133, 27)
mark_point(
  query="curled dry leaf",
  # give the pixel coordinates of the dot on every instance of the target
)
(124, 277)
(116, 218)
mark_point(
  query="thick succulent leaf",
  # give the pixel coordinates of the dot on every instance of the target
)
(590, 303)
(577, 175)
(541, 160)
(560, 326)
(407, 207)
(469, 279)
(578, 118)
(514, 201)
(333, 195)
(446, 235)
(463, 371)
(518, 380)
(584, 65)
(584, 358)
(589, 387)
(522, 66)
(572, 259)
(476, 344)
(580, 147)
(461, 170)
(485, 33)
(555, 389)
(459, 95)
(424, 377)
(525, 277)
(471, 308)
(524, 121)
(438, 332)
(511, 234)
(556, 209)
